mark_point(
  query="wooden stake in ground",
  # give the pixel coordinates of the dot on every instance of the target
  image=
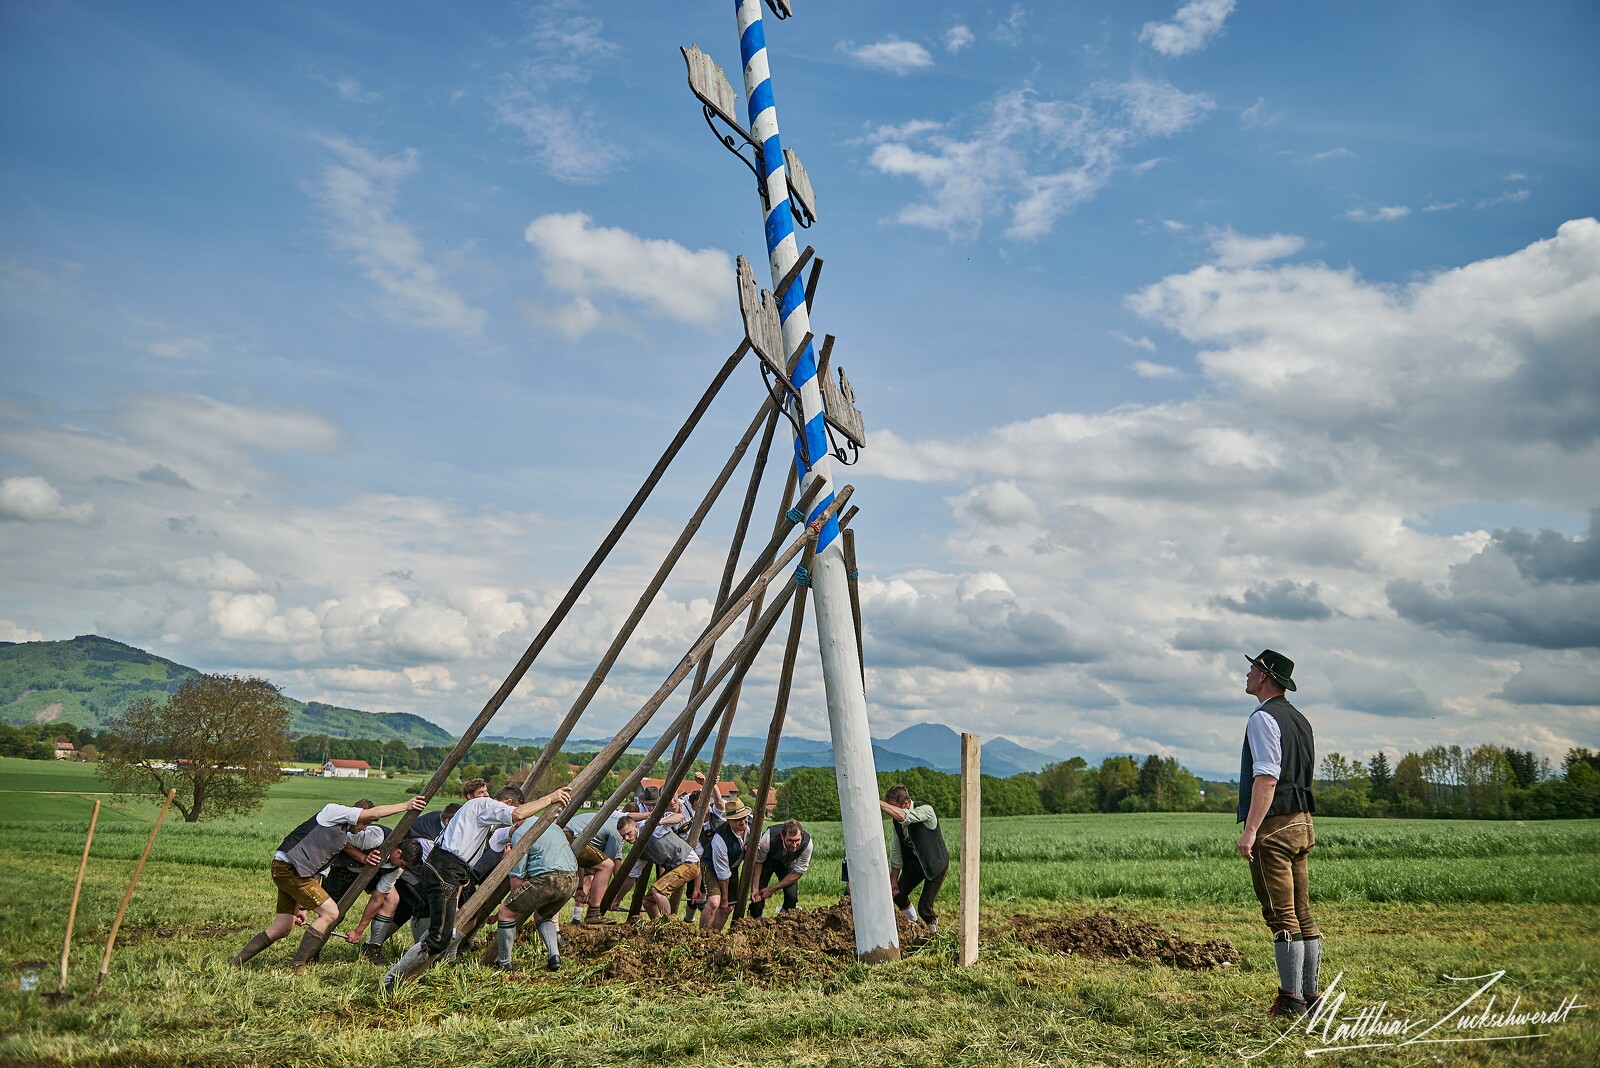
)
(72, 911)
(971, 818)
(116, 925)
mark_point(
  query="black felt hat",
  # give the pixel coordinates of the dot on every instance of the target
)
(1278, 666)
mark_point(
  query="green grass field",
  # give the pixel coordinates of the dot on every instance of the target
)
(1403, 904)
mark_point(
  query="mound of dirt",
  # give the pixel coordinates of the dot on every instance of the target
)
(806, 945)
(1103, 937)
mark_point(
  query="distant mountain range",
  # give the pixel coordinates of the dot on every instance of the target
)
(86, 681)
(930, 745)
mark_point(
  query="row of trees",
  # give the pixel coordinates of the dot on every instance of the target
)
(1485, 782)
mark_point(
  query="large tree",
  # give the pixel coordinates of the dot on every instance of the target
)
(220, 740)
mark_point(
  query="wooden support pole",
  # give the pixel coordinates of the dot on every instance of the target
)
(971, 837)
(72, 910)
(552, 748)
(855, 599)
(312, 942)
(769, 756)
(116, 925)
(589, 778)
(584, 785)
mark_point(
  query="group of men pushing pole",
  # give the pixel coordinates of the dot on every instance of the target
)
(447, 853)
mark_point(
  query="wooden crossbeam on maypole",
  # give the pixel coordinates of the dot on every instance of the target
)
(313, 941)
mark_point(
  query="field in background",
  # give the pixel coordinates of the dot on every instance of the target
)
(1403, 902)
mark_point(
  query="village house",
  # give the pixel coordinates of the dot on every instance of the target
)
(346, 769)
(66, 751)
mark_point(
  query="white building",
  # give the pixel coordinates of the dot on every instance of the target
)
(346, 769)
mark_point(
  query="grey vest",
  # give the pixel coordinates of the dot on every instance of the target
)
(777, 855)
(311, 846)
(668, 851)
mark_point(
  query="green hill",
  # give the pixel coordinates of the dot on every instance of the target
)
(89, 679)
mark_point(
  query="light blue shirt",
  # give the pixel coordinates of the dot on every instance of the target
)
(550, 853)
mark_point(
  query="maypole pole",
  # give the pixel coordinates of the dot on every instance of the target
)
(876, 936)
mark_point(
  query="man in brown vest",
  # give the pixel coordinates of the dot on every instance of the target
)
(1275, 806)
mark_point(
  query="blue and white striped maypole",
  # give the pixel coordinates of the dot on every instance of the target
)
(872, 905)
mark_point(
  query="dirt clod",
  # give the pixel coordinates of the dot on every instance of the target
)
(1104, 937)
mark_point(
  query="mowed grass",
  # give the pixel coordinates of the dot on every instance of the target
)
(1403, 903)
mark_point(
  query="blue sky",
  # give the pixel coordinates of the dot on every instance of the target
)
(336, 336)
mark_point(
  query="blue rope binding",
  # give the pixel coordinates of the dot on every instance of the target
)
(794, 515)
(802, 577)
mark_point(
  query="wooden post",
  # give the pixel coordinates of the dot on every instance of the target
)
(971, 819)
(116, 925)
(72, 911)
(855, 600)
(312, 942)
(780, 709)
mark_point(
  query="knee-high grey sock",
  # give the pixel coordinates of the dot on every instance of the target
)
(548, 932)
(1311, 968)
(382, 928)
(251, 948)
(505, 936)
(411, 959)
(1291, 962)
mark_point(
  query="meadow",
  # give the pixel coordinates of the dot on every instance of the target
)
(1404, 903)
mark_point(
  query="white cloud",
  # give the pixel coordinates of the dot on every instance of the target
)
(958, 37)
(31, 499)
(1141, 342)
(10, 632)
(219, 571)
(1195, 25)
(350, 89)
(1277, 507)
(360, 193)
(1513, 196)
(179, 348)
(543, 98)
(892, 54)
(1173, 226)
(1011, 162)
(1450, 205)
(1367, 215)
(1237, 250)
(1334, 153)
(601, 265)
(1146, 369)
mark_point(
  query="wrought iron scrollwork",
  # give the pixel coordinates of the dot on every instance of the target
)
(737, 145)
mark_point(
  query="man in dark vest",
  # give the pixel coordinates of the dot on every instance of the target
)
(917, 854)
(1275, 806)
(298, 863)
(784, 852)
(719, 868)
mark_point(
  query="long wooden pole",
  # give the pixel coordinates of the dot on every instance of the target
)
(312, 941)
(853, 576)
(971, 837)
(563, 730)
(77, 888)
(769, 756)
(116, 925)
(589, 778)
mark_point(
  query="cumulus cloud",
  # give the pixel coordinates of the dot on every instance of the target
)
(1369, 215)
(892, 54)
(958, 37)
(1195, 25)
(11, 632)
(608, 269)
(1146, 369)
(1284, 599)
(360, 193)
(1554, 678)
(163, 475)
(1237, 250)
(1282, 505)
(1541, 590)
(976, 621)
(1028, 158)
(31, 499)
